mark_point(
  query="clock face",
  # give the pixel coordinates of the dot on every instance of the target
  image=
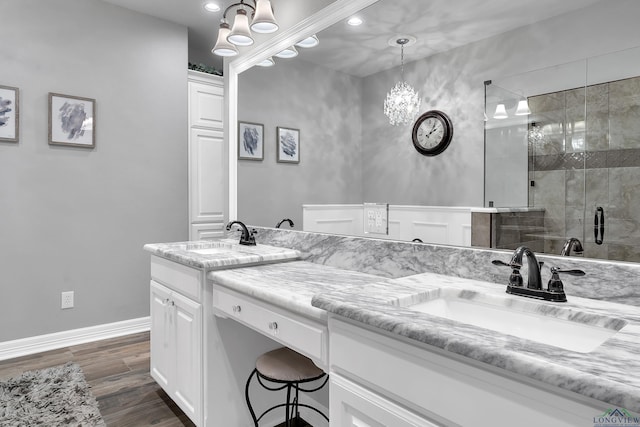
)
(432, 133)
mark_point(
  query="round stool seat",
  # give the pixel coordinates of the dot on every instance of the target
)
(284, 364)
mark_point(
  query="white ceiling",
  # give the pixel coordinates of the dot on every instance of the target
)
(438, 25)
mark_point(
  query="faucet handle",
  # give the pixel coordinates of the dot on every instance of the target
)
(515, 278)
(555, 284)
(574, 272)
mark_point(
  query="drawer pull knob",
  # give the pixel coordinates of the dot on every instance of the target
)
(237, 309)
(273, 325)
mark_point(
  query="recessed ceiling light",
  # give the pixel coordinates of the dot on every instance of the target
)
(211, 7)
(354, 21)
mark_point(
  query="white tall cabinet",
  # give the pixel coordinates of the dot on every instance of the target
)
(207, 155)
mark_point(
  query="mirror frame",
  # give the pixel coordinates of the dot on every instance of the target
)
(333, 13)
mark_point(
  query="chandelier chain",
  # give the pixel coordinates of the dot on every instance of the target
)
(402, 61)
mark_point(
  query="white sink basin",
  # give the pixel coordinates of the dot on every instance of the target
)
(210, 248)
(547, 323)
(210, 251)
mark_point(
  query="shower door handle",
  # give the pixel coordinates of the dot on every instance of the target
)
(598, 225)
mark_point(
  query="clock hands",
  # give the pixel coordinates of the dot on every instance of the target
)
(433, 129)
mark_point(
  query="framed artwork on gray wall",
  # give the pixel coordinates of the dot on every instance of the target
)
(9, 114)
(250, 141)
(72, 121)
(288, 144)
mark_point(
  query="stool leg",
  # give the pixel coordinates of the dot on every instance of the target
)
(287, 418)
(297, 408)
(246, 396)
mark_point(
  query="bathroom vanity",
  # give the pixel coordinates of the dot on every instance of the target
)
(370, 312)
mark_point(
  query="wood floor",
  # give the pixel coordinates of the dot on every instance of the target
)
(118, 372)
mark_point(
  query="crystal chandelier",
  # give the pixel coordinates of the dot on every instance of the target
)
(402, 103)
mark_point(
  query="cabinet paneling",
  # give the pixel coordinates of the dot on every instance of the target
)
(207, 157)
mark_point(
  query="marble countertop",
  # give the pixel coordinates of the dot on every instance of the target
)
(610, 373)
(291, 285)
(220, 254)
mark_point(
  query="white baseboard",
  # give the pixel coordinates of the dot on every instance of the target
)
(26, 346)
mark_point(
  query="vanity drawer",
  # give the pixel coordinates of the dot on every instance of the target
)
(302, 335)
(177, 277)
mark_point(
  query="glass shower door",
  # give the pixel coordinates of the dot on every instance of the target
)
(612, 200)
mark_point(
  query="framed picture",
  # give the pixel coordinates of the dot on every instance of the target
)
(250, 141)
(72, 121)
(288, 142)
(9, 114)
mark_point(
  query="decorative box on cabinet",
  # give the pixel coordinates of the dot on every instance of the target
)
(207, 159)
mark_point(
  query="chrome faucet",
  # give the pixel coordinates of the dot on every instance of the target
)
(247, 237)
(285, 220)
(574, 243)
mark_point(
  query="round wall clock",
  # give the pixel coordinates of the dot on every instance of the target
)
(432, 133)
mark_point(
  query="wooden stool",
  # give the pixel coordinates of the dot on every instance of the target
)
(290, 369)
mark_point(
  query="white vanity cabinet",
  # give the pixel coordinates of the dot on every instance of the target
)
(355, 406)
(380, 380)
(176, 335)
(207, 159)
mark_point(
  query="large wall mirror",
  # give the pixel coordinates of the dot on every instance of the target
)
(349, 153)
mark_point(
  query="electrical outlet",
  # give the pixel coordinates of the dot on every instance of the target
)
(67, 300)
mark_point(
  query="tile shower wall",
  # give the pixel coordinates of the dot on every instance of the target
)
(584, 153)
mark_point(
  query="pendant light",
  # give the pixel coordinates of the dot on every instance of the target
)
(269, 62)
(523, 108)
(402, 103)
(240, 33)
(501, 112)
(287, 53)
(223, 47)
(263, 19)
(311, 41)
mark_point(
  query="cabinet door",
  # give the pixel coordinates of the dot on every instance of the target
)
(188, 356)
(354, 406)
(206, 105)
(207, 231)
(161, 335)
(206, 176)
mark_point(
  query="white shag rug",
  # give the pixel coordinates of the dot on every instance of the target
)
(57, 396)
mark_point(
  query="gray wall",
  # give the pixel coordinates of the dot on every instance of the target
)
(76, 219)
(325, 106)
